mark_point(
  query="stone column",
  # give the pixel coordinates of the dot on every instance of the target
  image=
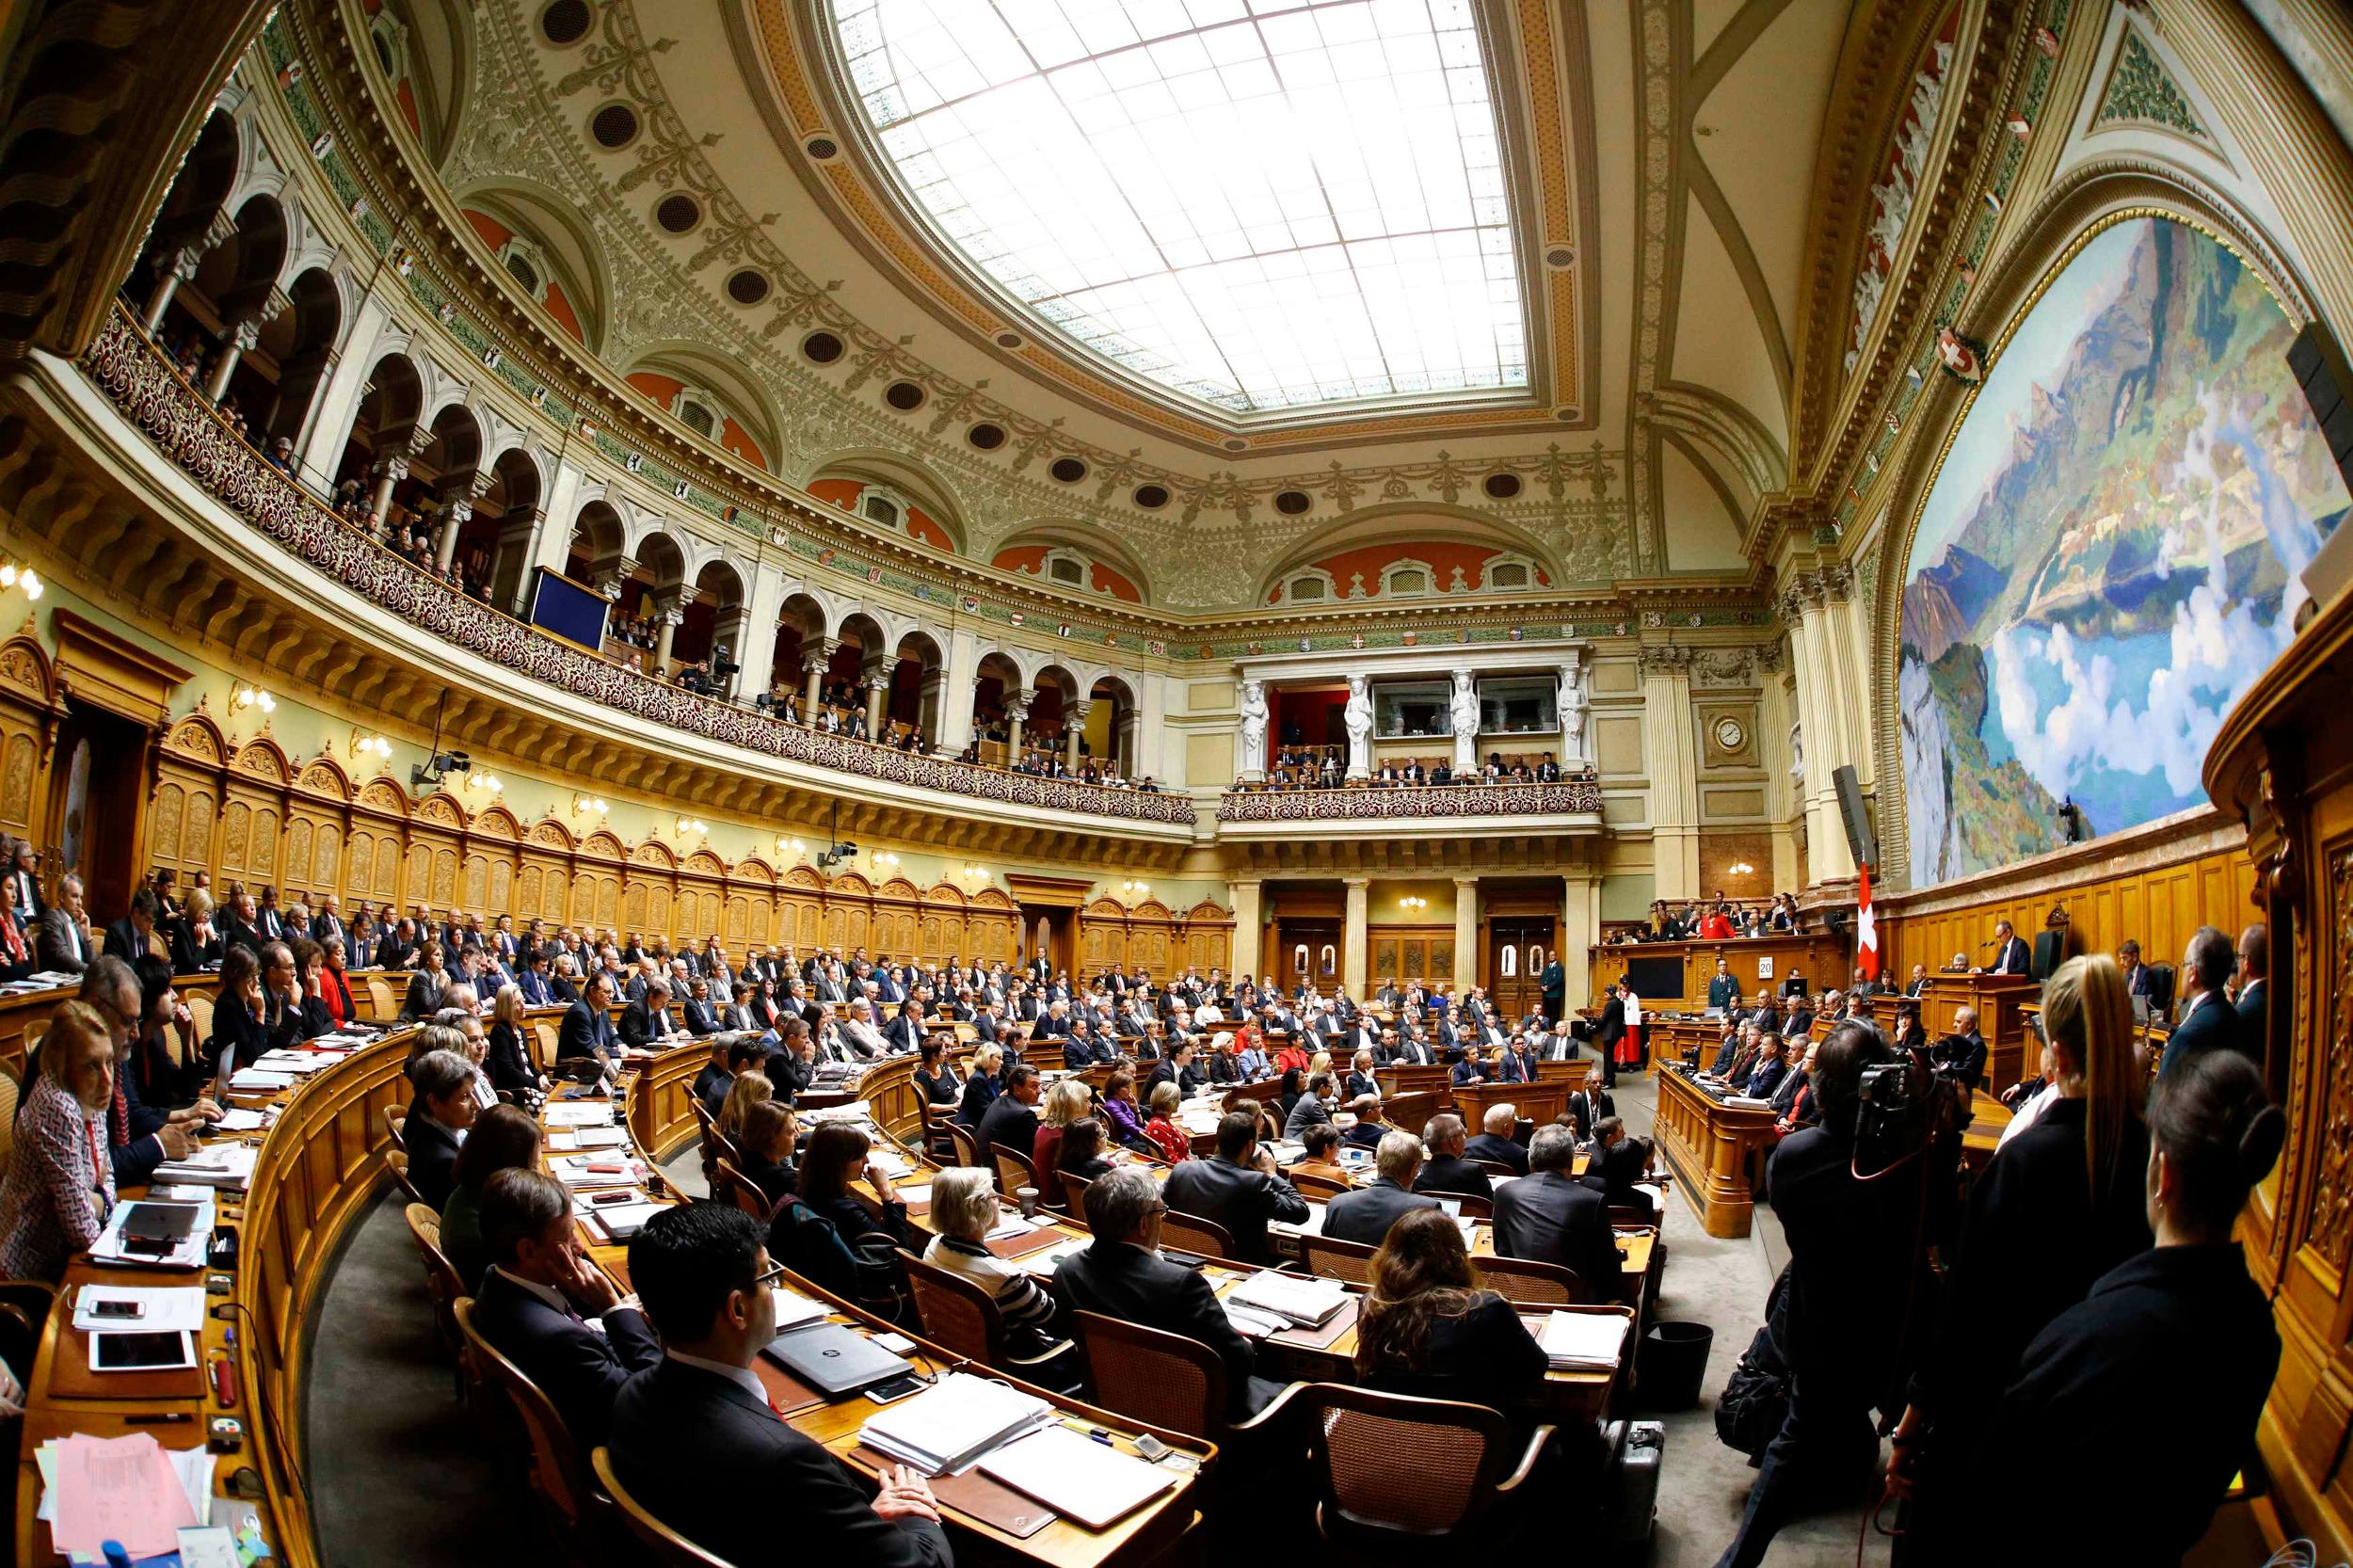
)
(1465, 934)
(877, 694)
(1250, 734)
(1580, 927)
(1017, 708)
(934, 692)
(813, 662)
(1670, 757)
(1074, 720)
(457, 515)
(389, 473)
(1784, 803)
(962, 675)
(1126, 743)
(1249, 940)
(667, 621)
(1355, 954)
(182, 266)
(242, 337)
(1828, 859)
(1847, 646)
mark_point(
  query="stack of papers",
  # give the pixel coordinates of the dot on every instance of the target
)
(1011, 1224)
(613, 1169)
(175, 1234)
(129, 1490)
(162, 1309)
(795, 1310)
(621, 1221)
(589, 1113)
(1250, 1323)
(300, 1063)
(1302, 1302)
(599, 1138)
(1584, 1341)
(237, 1119)
(947, 1428)
(47, 980)
(252, 1080)
(215, 1165)
(1077, 1477)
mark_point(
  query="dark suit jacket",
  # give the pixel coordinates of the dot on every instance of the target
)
(788, 1074)
(1612, 1026)
(577, 1368)
(2011, 957)
(637, 1023)
(677, 1430)
(1551, 1217)
(1009, 1122)
(1502, 1151)
(1446, 1173)
(980, 1092)
(2212, 1025)
(586, 1032)
(2252, 1007)
(1366, 1213)
(424, 995)
(187, 957)
(1121, 1281)
(698, 1016)
(508, 1060)
(432, 1156)
(1240, 1199)
(60, 944)
(135, 1162)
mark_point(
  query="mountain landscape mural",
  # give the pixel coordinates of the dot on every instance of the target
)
(2109, 555)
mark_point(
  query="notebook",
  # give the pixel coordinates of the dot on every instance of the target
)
(1583, 1341)
(956, 1420)
(1077, 1477)
(1307, 1303)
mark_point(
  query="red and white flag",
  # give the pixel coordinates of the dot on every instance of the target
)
(1866, 928)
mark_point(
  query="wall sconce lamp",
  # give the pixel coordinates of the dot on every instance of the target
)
(251, 696)
(586, 805)
(371, 746)
(1410, 902)
(694, 827)
(12, 576)
(1135, 890)
(791, 849)
(489, 783)
(975, 873)
(1739, 868)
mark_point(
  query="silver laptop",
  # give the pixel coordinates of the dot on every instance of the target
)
(833, 1359)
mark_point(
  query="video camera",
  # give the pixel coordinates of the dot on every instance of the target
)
(1902, 1104)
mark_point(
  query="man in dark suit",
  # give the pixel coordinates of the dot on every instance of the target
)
(646, 1023)
(61, 934)
(1366, 1213)
(1551, 1217)
(1495, 1142)
(535, 1304)
(2208, 1021)
(696, 1012)
(238, 928)
(1235, 1188)
(328, 923)
(137, 935)
(587, 1028)
(1447, 1172)
(1919, 986)
(1122, 1275)
(2254, 988)
(2010, 953)
(1608, 1032)
(1011, 1118)
(905, 1032)
(700, 1414)
(1961, 1055)
(1553, 982)
(1177, 1067)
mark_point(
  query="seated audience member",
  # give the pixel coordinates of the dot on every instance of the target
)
(964, 1210)
(982, 1089)
(766, 1142)
(197, 943)
(1080, 1152)
(423, 996)
(1177, 1067)
(2207, 1020)
(1365, 1214)
(503, 1138)
(586, 1034)
(700, 1414)
(439, 1118)
(152, 1063)
(1012, 1120)
(1447, 1172)
(249, 1019)
(646, 1023)
(748, 1089)
(1961, 1055)
(1122, 1120)
(935, 1074)
(1314, 1108)
(1370, 1128)
(1064, 1103)
(1122, 1275)
(1769, 1069)
(716, 1078)
(1619, 1165)
(1551, 1217)
(822, 1231)
(509, 1062)
(1495, 1142)
(1323, 1158)
(1235, 1188)
(62, 939)
(2099, 1391)
(60, 1184)
(1169, 1141)
(1426, 1329)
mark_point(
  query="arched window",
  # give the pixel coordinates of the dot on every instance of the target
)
(699, 411)
(1508, 963)
(1299, 959)
(523, 262)
(1331, 956)
(1405, 579)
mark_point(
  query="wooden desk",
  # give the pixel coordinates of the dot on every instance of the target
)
(24, 1010)
(1407, 1079)
(1539, 1102)
(1713, 1148)
(1570, 1074)
(1824, 960)
(1672, 1038)
(1988, 1117)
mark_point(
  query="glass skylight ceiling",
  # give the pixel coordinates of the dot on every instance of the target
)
(1263, 204)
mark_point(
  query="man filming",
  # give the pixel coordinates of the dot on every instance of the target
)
(1854, 1242)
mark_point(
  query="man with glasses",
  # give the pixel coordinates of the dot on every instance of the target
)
(139, 1136)
(695, 1440)
(1122, 1275)
(552, 1312)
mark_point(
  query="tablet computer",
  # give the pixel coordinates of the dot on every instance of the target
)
(142, 1353)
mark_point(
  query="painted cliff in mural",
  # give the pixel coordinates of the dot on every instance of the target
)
(2109, 555)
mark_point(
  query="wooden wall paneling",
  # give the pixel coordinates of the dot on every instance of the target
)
(31, 707)
(496, 841)
(436, 845)
(1151, 937)
(545, 876)
(1102, 936)
(991, 927)
(184, 820)
(896, 922)
(849, 908)
(254, 797)
(596, 871)
(319, 815)
(801, 909)
(1207, 934)
(941, 936)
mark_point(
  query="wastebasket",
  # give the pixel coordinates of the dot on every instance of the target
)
(1675, 1364)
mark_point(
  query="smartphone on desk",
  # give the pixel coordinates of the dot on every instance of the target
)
(897, 1389)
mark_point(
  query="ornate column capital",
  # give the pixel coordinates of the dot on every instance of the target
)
(1666, 659)
(1769, 657)
(244, 335)
(877, 681)
(1837, 580)
(392, 469)
(1079, 711)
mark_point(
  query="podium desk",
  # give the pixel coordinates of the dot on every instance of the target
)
(1403, 1079)
(1715, 1150)
(1571, 1073)
(1539, 1102)
(1674, 976)
(2010, 1050)
(1670, 1039)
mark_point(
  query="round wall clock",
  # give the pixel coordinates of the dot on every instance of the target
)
(1729, 733)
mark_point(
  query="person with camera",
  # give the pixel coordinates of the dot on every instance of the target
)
(1853, 1249)
(2099, 1396)
(2055, 1209)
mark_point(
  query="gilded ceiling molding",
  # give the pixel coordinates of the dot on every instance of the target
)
(1661, 46)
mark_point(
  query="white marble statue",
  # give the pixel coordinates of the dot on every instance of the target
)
(1358, 715)
(1254, 718)
(1465, 709)
(1572, 706)
(1797, 755)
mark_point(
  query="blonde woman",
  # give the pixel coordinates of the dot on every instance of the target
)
(509, 1062)
(2058, 1206)
(983, 1086)
(1065, 1102)
(748, 1089)
(964, 1210)
(60, 1182)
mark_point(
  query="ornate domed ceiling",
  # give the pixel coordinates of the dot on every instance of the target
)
(1213, 278)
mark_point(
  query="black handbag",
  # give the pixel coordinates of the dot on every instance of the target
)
(1755, 1401)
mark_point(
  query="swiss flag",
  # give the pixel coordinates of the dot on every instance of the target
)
(1866, 927)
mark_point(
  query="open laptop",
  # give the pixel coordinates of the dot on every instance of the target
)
(833, 1359)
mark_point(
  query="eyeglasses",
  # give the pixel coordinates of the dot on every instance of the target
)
(768, 1276)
